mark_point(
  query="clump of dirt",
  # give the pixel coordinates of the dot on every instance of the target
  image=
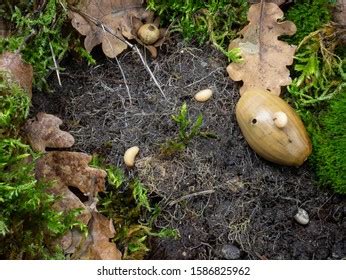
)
(217, 192)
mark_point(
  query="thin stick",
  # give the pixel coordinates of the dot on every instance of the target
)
(184, 197)
(125, 81)
(98, 23)
(149, 70)
(55, 64)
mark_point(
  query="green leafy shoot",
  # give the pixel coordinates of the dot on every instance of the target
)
(115, 176)
(319, 72)
(14, 107)
(234, 55)
(187, 130)
(140, 194)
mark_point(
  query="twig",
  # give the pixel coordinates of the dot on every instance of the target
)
(55, 64)
(184, 197)
(98, 23)
(125, 81)
(149, 70)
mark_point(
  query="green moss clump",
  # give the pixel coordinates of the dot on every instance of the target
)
(14, 107)
(127, 203)
(308, 16)
(215, 20)
(37, 29)
(27, 219)
(329, 142)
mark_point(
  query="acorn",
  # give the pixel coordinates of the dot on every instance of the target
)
(272, 128)
(149, 33)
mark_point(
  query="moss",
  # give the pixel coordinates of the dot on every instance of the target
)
(329, 143)
(216, 21)
(308, 16)
(14, 107)
(27, 219)
(127, 203)
(36, 30)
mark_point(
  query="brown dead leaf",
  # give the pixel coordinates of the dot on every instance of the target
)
(70, 169)
(265, 57)
(98, 245)
(19, 71)
(277, 2)
(115, 14)
(43, 131)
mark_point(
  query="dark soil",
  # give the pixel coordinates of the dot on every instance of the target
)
(217, 192)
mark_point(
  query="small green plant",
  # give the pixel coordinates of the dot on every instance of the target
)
(39, 33)
(28, 222)
(213, 20)
(126, 202)
(188, 130)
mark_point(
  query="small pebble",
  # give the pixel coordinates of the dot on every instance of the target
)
(302, 217)
(204, 95)
(230, 252)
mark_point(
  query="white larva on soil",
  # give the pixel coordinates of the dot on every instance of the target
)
(130, 155)
(280, 119)
(204, 95)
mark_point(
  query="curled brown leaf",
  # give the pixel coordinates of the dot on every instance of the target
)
(107, 22)
(43, 131)
(98, 246)
(18, 71)
(71, 169)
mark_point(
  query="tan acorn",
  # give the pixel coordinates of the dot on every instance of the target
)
(148, 33)
(272, 128)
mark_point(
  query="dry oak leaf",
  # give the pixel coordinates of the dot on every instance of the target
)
(116, 15)
(98, 246)
(43, 131)
(277, 2)
(70, 169)
(264, 57)
(19, 71)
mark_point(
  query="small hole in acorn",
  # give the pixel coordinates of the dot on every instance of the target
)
(254, 121)
(151, 27)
